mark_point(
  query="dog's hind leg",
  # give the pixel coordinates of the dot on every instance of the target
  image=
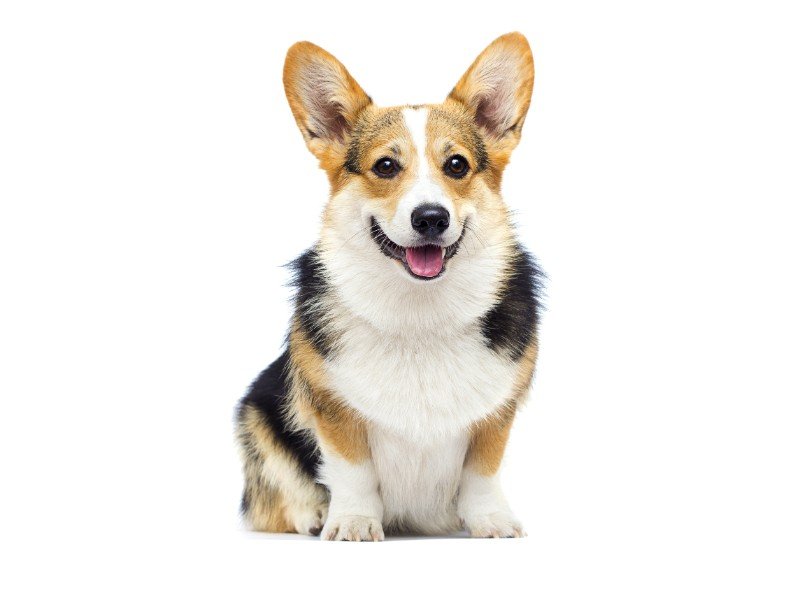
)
(280, 461)
(278, 495)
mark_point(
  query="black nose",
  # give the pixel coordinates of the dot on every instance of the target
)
(430, 219)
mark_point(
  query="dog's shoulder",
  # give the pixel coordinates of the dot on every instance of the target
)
(511, 324)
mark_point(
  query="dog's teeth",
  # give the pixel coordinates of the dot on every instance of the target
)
(444, 251)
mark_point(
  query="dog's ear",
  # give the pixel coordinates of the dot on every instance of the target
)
(497, 87)
(324, 97)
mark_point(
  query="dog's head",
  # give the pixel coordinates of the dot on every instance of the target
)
(411, 185)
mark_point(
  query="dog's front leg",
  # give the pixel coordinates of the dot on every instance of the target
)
(482, 505)
(355, 509)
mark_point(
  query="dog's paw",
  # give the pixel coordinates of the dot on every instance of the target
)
(309, 519)
(500, 524)
(352, 528)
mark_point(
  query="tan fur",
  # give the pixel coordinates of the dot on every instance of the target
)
(348, 134)
(509, 53)
(341, 429)
(337, 426)
(451, 130)
(488, 438)
(375, 132)
(378, 132)
(525, 370)
(309, 69)
(267, 508)
(488, 441)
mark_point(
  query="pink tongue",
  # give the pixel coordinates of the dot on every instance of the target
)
(425, 261)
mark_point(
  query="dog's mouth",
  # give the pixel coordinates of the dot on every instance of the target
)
(422, 262)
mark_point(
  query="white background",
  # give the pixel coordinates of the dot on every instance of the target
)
(152, 183)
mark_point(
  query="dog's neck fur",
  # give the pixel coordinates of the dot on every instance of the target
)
(373, 289)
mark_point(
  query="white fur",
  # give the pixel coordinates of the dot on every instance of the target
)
(355, 510)
(418, 480)
(420, 394)
(373, 288)
(354, 487)
(425, 189)
(410, 357)
(412, 360)
(483, 507)
(420, 386)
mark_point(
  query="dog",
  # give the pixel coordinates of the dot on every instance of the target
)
(414, 335)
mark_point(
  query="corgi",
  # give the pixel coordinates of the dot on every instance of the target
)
(414, 335)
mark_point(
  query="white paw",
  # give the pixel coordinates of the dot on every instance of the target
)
(352, 528)
(309, 519)
(500, 524)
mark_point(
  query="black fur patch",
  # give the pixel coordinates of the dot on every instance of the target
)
(511, 324)
(269, 395)
(480, 152)
(244, 506)
(311, 283)
(351, 161)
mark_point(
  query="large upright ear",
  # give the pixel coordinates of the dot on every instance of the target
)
(497, 87)
(324, 97)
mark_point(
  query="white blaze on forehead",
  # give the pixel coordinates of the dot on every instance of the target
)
(416, 122)
(425, 189)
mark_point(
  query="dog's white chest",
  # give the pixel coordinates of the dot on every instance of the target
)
(418, 481)
(420, 387)
(420, 395)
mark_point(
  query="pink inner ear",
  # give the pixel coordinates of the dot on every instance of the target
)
(487, 113)
(495, 110)
(328, 119)
(326, 115)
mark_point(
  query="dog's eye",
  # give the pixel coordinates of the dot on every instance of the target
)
(386, 167)
(456, 166)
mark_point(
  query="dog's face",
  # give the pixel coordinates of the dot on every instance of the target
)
(411, 184)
